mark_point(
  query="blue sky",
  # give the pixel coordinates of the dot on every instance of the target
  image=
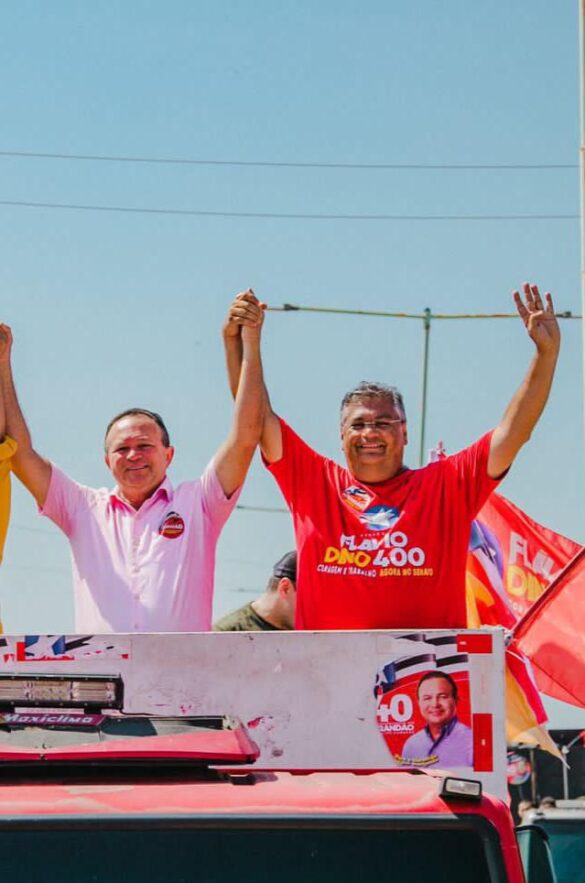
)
(112, 309)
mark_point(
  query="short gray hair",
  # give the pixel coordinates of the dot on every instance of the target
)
(368, 389)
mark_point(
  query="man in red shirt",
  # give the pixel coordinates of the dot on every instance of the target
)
(381, 545)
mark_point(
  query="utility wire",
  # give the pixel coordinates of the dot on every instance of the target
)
(282, 215)
(89, 157)
(42, 568)
(55, 533)
(49, 533)
(566, 314)
(278, 509)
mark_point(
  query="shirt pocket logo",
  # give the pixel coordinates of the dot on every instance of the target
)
(172, 526)
(357, 497)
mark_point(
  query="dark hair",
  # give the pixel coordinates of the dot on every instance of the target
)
(367, 389)
(140, 412)
(285, 567)
(437, 673)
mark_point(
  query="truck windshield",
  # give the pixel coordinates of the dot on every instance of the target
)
(136, 851)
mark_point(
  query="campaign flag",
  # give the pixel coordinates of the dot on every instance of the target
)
(511, 563)
(552, 635)
(489, 603)
(525, 713)
(486, 597)
(528, 554)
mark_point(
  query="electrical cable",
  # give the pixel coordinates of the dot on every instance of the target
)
(286, 308)
(89, 157)
(304, 216)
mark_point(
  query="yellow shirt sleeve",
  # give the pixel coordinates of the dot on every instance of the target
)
(7, 451)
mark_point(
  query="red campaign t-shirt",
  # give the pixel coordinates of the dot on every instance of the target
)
(385, 555)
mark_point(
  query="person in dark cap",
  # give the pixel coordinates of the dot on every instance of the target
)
(274, 609)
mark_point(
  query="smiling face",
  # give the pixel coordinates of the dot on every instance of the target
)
(373, 437)
(437, 703)
(137, 457)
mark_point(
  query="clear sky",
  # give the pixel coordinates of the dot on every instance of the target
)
(112, 309)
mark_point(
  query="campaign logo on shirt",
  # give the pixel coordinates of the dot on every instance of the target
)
(357, 497)
(380, 517)
(172, 526)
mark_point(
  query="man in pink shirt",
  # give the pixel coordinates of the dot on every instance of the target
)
(144, 553)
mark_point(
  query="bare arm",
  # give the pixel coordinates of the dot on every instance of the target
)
(526, 406)
(245, 313)
(235, 455)
(32, 469)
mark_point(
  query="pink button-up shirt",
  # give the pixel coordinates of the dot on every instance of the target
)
(145, 570)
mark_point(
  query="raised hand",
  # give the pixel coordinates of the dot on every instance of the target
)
(539, 319)
(245, 311)
(5, 343)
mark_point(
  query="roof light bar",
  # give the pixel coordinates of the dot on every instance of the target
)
(60, 691)
(470, 789)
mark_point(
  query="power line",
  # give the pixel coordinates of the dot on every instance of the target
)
(286, 308)
(39, 568)
(92, 157)
(55, 533)
(281, 215)
(49, 533)
(278, 509)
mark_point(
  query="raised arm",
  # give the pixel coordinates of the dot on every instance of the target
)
(246, 312)
(33, 470)
(526, 406)
(235, 455)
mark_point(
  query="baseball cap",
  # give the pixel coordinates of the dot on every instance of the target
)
(286, 566)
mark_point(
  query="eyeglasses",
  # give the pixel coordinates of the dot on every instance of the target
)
(376, 425)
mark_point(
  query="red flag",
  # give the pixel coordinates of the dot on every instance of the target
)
(510, 563)
(529, 555)
(552, 635)
(525, 714)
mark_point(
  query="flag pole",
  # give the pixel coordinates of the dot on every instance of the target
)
(423, 418)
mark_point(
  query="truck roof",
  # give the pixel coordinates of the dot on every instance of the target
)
(236, 791)
(233, 821)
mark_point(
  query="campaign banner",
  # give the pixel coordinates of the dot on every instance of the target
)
(62, 648)
(310, 700)
(519, 769)
(423, 703)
